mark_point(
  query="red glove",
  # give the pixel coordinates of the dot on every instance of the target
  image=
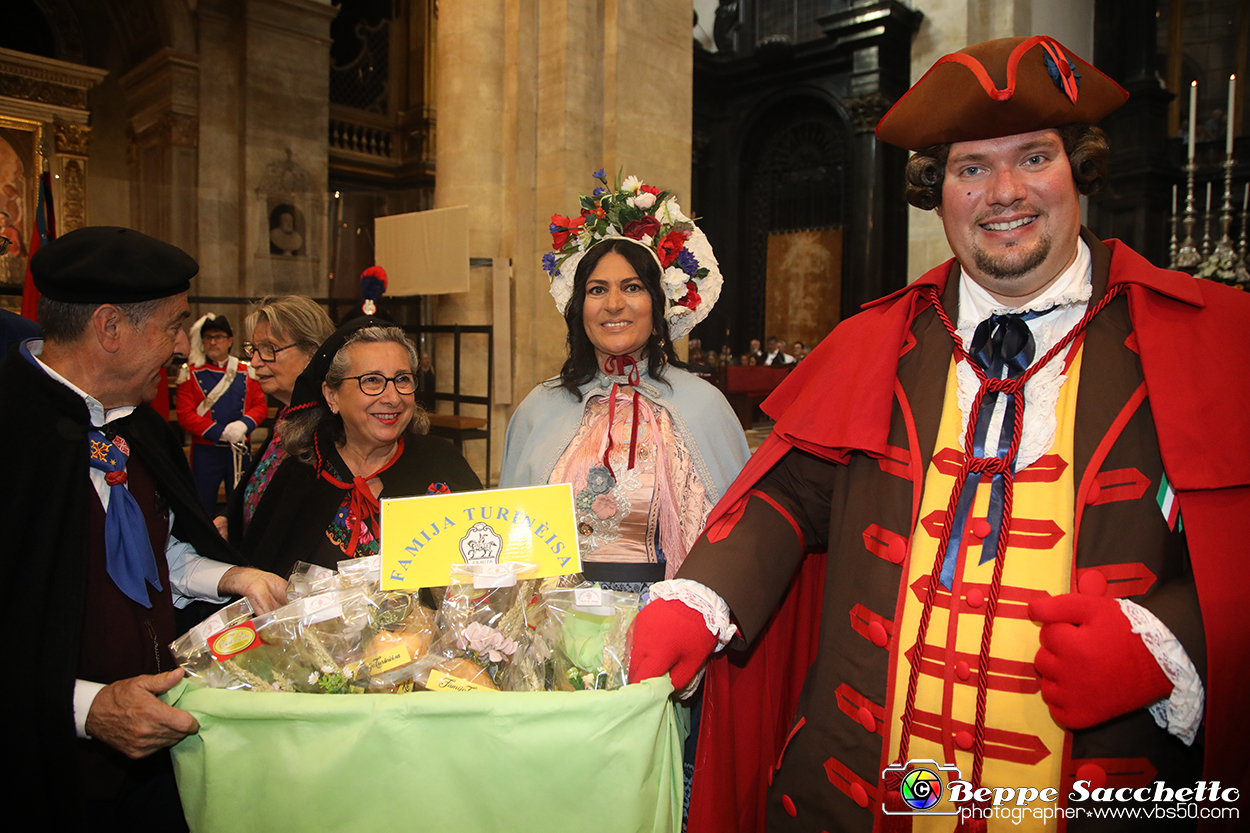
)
(670, 637)
(1093, 667)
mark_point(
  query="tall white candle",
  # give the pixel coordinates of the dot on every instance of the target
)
(1193, 117)
(1173, 200)
(1208, 197)
(1232, 98)
(1245, 198)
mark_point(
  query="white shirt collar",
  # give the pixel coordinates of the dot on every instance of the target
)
(1073, 286)
(98, 415)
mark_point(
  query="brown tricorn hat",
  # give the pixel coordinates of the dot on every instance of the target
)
(1000, 88)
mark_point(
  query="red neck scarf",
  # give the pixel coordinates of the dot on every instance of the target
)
(364, 504)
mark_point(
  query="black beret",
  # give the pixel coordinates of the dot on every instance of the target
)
(307, 390)
(218, 324)
(111, 265)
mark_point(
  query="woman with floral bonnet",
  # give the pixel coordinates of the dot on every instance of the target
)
(648, 447)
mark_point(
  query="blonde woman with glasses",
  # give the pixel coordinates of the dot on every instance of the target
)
(283, 334)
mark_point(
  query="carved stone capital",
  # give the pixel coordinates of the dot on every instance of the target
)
(183, 130)
(867, 110)
(71, 138)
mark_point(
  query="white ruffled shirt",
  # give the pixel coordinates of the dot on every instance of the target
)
(1069, 294)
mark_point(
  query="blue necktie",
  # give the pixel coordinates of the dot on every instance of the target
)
(128, 554)
(1000, 342)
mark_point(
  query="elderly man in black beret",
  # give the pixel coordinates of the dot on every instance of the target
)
(1030, 471)
(102, 533)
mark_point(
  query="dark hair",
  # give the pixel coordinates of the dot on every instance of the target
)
(1085, 145)
(582, 364)
(64, 321)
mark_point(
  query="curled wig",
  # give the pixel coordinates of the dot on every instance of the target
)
(1085, 145)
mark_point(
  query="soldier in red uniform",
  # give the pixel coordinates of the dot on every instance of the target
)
(220, 405)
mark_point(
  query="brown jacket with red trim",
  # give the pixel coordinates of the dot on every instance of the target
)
(846, 465)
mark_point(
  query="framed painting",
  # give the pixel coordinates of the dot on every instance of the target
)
(21, 162)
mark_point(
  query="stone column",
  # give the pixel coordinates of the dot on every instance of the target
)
(222, 187)
(164, 99)
(285, 113)
(558, 88)
(470, 169)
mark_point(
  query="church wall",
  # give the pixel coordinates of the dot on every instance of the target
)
(222, 192)
(285, 111)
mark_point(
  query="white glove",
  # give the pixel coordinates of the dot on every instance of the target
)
(235, 432)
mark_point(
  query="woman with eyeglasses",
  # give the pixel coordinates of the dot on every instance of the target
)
(283, 334)
(353, 434)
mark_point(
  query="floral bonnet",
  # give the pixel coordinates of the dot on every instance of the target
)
(689, 275)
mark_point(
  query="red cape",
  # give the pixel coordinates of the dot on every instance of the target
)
(1193, 337)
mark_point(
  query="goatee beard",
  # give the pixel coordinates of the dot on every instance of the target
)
(1005, 267)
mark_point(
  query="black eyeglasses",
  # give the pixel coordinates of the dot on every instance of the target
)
(373, 384)
(267, 352)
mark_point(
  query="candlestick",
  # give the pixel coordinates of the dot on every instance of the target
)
(1193, 117)
(1188, 255)
(1206, 224)
(1245, 221)
(1173, 225)
(1228, 143)
(1224, 248)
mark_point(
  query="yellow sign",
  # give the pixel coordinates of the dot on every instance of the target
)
(422, 537)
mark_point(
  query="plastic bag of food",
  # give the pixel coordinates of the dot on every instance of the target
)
(310, 580)
(191, 649)
(325, 635)
(364, 573)
(402, 632)
(481, 619)
(588, 632)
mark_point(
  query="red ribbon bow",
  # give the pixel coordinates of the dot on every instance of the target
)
(363, 503)
(627, 367)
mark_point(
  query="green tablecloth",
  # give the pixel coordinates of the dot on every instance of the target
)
(462, 761)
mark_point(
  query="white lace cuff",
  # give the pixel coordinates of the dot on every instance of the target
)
(1181, 713)
(702, 599)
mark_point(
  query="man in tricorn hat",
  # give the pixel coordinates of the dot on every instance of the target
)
(1029, 502)
(102, 535)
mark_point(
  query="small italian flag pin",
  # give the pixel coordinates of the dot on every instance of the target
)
(1169, 506)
